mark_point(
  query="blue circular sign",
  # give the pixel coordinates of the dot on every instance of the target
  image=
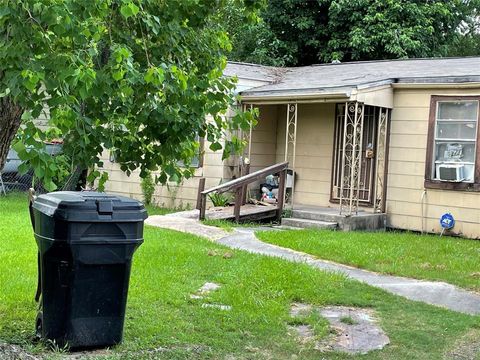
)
(447, 221)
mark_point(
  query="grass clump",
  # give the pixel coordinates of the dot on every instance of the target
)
(348, 320)
(158, 210)
(219, 199)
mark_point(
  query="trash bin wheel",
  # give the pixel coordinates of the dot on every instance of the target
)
(39, 326)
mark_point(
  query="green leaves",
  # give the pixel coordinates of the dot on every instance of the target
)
(129, 9)
(215, 146)
(308, 32)
(31, 79)
(137, 76)
(4, 10)
(155, 76)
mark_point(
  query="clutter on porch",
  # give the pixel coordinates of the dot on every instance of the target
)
(269, 203)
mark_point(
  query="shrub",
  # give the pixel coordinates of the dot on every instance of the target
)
(219, 199)
(148, 188)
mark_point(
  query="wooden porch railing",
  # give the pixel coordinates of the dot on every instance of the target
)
(239, 185)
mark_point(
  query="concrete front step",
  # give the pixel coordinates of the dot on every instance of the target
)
(306, 223)
(362, 221)
(314, 215)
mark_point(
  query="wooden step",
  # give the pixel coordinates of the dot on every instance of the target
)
(306, 223)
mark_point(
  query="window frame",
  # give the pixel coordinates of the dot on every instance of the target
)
(431, 183)
(201, 152)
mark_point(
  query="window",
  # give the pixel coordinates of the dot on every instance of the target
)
(197, 160)
(452, 151)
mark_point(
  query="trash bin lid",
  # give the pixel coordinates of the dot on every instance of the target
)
(90, 206)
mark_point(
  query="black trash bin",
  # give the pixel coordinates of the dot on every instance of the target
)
(86, 241)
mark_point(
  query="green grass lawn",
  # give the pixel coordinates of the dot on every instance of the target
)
(170, 266)
(155, 210)
(449, 259)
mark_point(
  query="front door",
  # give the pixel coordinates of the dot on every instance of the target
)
(369, 147)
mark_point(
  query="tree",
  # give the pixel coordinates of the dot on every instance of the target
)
(467, 43)
(138, 77)
(252, 41)
(305, 32)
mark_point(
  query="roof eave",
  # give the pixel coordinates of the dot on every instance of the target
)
(294, 97)
(437, 85)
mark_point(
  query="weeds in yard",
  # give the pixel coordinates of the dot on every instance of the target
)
(148, 188)
(56, 348)
(171, 265)
(159, 210)
(348, 320)
(220, 199)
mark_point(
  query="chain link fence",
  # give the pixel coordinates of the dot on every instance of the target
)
(12, 181)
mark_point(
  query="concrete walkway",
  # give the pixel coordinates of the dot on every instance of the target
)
(430, 292)
(187, 225)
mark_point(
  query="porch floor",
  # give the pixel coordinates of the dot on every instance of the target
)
(248, 212)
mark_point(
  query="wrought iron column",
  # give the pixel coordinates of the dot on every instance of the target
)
(246, 137)
(250, 137)
(381, 157)
(291, 142)
(351, 158)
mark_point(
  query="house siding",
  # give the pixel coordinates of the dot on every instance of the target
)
(314, 149)
(406, 171)
(173, 195)
(264, 138)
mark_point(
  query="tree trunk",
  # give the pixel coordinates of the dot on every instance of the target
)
(10, 120)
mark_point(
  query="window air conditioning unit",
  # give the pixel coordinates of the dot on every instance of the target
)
(450, 172)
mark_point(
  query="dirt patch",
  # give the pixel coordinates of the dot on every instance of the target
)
(359, 335)
(15, 352)
(85, 355)
(304, 333)
(353, 330)
(466, 348)
(299, 309)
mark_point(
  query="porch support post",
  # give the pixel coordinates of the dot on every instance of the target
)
(250, 138)
(281, 194)
(351, 158)
(247, 152)
(291, 142)
(381, 157)
(246, 136)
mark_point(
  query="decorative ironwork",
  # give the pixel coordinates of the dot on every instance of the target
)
(382, 133)
(290, 143)
(367, 158)
(351, 159)
(246, 136)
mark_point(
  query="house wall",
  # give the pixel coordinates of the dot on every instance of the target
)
(264, 138)
(406, 170)
(314, 149)
(183, 195)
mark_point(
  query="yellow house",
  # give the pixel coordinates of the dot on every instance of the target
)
(388, 143)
